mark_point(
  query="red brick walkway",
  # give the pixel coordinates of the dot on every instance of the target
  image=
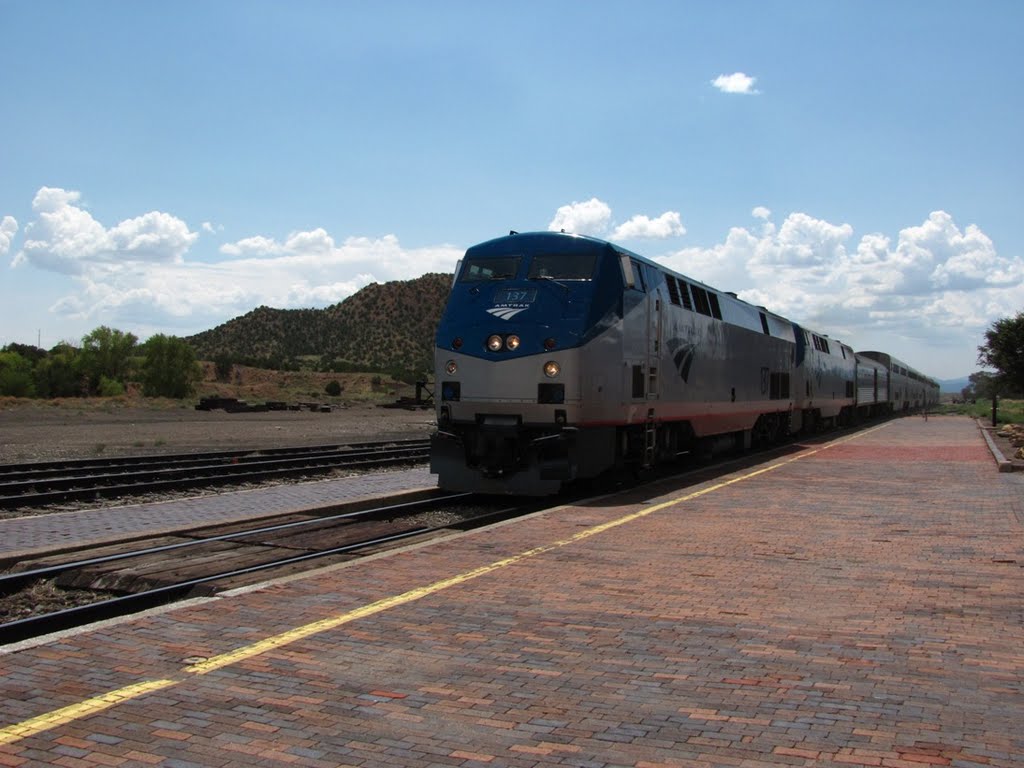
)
(858, 604)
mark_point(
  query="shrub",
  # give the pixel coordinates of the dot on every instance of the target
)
(223, 364)
(110, 387)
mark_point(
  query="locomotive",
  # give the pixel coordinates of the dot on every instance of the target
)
(560, 357)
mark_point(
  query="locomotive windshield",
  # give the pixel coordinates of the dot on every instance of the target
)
(563, 266)
(489, 268)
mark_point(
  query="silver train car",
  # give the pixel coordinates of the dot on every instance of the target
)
(907, 389)
(560, 357)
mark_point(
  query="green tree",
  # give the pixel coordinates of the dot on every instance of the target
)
(1003, 350)
(58, 374)
(30, 352)
(106, 352)
(16, 375)
(333, 388)
(980, 386)
(169, 367)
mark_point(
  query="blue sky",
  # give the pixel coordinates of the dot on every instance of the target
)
(854, 166)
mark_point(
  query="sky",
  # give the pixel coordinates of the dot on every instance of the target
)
(854, 166)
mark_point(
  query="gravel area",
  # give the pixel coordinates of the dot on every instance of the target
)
(39, 432)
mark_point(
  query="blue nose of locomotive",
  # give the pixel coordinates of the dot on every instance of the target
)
(524, 295)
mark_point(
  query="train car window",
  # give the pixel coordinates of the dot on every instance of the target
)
(628, 279)
(673, 289)
(716, 310)
(500, 268)
(638, 272)
(700, 300)
(684, 294)
(764, 324)
(562, 266)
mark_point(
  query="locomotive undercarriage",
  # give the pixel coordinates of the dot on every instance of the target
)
(500, 455)
(503, 456)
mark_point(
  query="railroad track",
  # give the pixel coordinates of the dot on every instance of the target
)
(126, 580)
(52, 482)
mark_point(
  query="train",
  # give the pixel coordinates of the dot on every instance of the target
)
(561, 357)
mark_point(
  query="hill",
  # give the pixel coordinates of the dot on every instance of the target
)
(385, 327)
(955, 386)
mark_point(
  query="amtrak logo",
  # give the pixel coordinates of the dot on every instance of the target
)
(505, 313)
(682, 357)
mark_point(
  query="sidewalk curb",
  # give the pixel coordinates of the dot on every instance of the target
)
(1004, 464)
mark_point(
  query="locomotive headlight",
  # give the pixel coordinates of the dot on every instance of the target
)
(552, 369)
(494, 343)
(512, 342)
(451, 367)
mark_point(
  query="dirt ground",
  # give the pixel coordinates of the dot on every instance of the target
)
(38, 431)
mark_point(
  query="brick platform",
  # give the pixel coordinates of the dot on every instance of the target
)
(858, 602)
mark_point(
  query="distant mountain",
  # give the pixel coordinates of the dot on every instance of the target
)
(955, 386)
(385, 326)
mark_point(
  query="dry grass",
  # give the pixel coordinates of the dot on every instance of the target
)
(260, 385)
(253, 385)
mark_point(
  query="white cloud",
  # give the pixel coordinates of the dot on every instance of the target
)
(588, 218)
(722, 266)
(963, 260)
(668, 224)
(8, 229)
(737, 82)
(64, 237)
(760, 212)
(136, 274)
(594, 218)
(306, 270)
(802, 241)
(253, 246)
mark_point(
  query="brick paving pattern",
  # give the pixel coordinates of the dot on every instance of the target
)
(858, 605)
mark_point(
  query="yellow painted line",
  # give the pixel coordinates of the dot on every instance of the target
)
(13, 733)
